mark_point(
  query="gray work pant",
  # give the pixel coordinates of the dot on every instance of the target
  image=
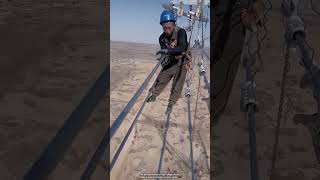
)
(178, 73)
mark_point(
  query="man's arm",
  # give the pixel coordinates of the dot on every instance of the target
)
(181, 44)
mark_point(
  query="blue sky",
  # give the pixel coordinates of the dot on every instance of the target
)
(138, 20)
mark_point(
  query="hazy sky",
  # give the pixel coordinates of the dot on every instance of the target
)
(138, 20)
(190, 1)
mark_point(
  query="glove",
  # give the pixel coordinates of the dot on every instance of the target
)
(165, 61)
(162, 51)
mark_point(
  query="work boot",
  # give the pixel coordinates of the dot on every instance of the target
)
(151, 98)
(169, 109)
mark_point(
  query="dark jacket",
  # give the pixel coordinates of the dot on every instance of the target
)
(182, 43)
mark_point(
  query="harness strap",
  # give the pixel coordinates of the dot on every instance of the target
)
(173, 42)
(173, 38)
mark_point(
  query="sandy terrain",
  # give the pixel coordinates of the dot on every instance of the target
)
(51, 53)
(131, 63)
(296, 159)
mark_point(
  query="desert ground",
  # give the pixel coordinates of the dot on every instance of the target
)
(296, 158)
(51, 54)
(130, 64)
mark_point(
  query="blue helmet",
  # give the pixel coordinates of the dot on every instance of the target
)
(167, 16)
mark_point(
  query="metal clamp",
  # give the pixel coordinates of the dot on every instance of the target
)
(294, 23)
(202, 69)
(188, 92)
(247, 95)
(188, 82)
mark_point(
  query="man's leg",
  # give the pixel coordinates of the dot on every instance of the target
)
(162, 81)
(177, 84)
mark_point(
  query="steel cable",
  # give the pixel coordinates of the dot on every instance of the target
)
(116, 156)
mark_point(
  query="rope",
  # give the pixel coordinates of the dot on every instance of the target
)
(200, 73)
(206, 54)
(282, 94)
(281, 100)
(188, 95)
(197, 100)
(191, 130)
(199, 79)
(198, 93)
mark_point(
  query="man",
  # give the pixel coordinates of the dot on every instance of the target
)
(174, 44)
